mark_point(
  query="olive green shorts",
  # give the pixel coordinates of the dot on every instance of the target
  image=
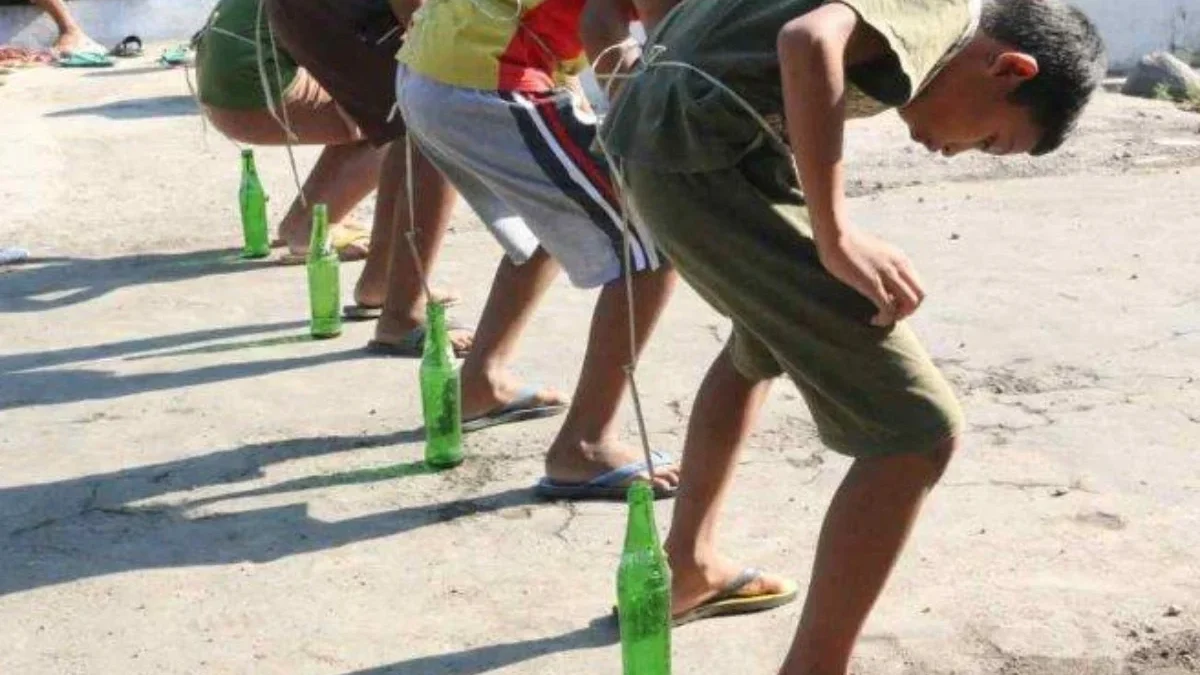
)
(741, 238)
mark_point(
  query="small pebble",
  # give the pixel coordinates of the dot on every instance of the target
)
(1172, 611)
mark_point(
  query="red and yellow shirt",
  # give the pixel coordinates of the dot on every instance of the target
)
(496, 45)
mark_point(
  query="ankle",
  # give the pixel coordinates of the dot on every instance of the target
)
(693, 555)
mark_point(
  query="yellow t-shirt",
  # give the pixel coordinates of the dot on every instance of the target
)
(496, 45)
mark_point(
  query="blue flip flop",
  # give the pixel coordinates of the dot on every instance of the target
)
(521, 409)
(412, 345)
(611, 486)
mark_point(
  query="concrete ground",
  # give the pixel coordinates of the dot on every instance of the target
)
(189, 485)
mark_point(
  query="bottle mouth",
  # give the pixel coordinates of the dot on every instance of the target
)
(640, 492)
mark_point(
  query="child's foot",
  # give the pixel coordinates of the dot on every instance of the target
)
(583, 461)
(351, 242)
(294, 238)
(483, 394)
(694, 584)
(393, 332)
(76, 41)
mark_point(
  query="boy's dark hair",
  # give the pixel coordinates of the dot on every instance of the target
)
(1071, 61)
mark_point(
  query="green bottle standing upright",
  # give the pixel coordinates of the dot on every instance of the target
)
(324, 283)
(252, 200)
(441, 393)
(644, 591)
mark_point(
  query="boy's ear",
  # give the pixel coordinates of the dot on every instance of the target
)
(1014, 65)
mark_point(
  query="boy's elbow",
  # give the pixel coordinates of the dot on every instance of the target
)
(797, 37)
(828, 27)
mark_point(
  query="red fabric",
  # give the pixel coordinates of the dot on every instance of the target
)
(525, 66)
(598, 175)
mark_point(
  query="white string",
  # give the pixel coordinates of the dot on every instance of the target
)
(411, 235)
(289, 136)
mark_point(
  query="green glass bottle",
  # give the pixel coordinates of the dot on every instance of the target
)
(441, 393)
(324, 283)
(644, 591)
(252, 200)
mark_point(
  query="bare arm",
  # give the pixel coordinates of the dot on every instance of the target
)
(651, 12)
(404, 9)
(604, 24)
(814, 50)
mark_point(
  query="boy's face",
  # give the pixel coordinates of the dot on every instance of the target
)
(966, 106)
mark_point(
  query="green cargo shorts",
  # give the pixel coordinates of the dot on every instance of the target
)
(741, 238)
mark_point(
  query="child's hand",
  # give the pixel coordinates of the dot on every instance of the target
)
(877, 270)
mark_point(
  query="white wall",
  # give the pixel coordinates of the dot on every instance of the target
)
(108, 21)
(1133, 28)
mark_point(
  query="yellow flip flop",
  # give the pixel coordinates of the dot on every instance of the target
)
(728, 601)
(351, 241)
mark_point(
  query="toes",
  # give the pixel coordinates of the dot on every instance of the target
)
(664, 479)
(551, 396)
(667, 474)
(446, 297)
(463, 340)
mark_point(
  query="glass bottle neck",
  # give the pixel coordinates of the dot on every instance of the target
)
(640, 532)
(319, 239)
(437, 339)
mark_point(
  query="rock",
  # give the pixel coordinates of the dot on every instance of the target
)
(1172, 611)
(1161, 72)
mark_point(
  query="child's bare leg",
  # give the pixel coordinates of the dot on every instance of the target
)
(70, 35)
(723, 416)
(433, 203)
(587, 444)
(342, 177)
(371, 289)
(865, 528)
(516, 290)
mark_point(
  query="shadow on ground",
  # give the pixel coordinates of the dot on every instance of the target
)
(52, 387)
(50, 283)
(601, 632)
(92, 526)
(118, 72)
(135, 109)
(146, 348)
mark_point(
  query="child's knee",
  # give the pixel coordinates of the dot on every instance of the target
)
(250, 127)
(939, 458)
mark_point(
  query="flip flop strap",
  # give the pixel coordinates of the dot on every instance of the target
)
(621, 474)
(415, 338)
(742, 580)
